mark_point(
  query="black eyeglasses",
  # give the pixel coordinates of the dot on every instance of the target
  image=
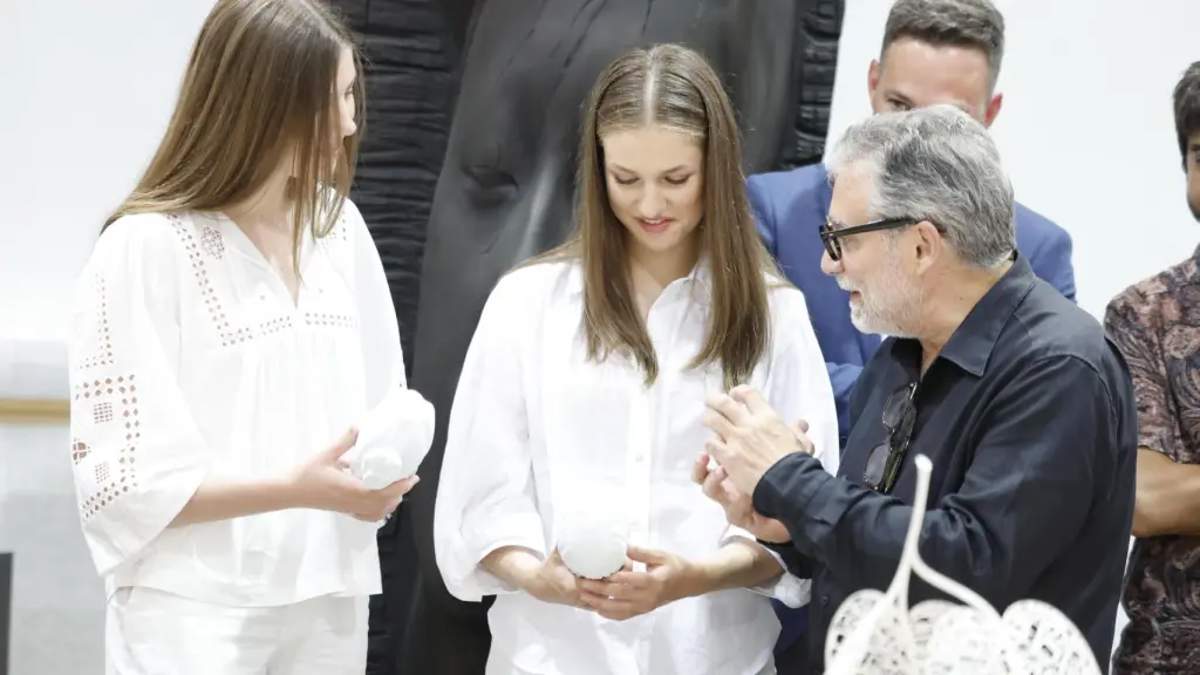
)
(899, 416)
(831, 237)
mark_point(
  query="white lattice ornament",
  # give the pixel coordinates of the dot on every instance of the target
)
(874, 633)
(883, 650)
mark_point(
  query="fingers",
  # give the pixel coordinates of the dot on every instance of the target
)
(752, 399)
(713, 487)
(609, 608)
(399, 488)
(731, 410)
(628, 579)
(718, 424)
(700, 469)
(719, 450)
(645, 555)
(343, 443)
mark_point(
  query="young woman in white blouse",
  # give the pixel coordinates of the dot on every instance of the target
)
(583, 393)
(232, 326)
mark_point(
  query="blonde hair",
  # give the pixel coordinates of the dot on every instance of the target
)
(259, 84)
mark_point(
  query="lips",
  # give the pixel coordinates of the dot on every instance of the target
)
(655, 226)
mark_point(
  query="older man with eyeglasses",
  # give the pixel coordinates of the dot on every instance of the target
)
(1015, 394)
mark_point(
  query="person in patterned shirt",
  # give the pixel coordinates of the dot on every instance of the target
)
(1156, 324)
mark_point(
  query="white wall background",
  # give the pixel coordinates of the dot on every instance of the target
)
(1086, 130)
(88, 88)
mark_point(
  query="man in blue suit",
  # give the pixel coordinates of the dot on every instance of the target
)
(934, 51)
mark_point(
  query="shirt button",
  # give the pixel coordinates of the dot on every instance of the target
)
(825, 600)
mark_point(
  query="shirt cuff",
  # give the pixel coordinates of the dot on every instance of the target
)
(786, 489)
(784, 587)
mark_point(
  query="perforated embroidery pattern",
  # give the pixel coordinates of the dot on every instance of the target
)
(102, 412)
(212, 245)
(79, 450)
(275, 325)
(329, 320)
(337, 240)
(104, 353)
(112, 487)
(340, 230)
(227, 333)
(212, 242)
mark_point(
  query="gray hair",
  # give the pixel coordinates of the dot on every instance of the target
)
(959, 23)
(936, 164)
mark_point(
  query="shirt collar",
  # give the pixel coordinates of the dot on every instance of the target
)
(972, 343)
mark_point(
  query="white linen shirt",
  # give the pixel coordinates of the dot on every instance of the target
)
(189, 360)
(539, 433)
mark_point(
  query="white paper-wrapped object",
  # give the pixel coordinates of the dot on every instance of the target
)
(392, 439)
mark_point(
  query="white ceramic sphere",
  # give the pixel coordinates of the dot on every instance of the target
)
(592, 548)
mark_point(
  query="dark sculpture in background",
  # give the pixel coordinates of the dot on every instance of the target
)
(505, 188)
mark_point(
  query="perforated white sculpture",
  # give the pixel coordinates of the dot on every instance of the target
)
(875, 633)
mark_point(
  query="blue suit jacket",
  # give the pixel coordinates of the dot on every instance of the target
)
(790, 207)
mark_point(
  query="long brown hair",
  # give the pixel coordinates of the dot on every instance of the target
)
(259, 84)
(672, 86)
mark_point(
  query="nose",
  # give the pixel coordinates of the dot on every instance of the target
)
(349, 126)
(652, 203)
(830, 266)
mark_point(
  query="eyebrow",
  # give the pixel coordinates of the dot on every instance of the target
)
(835, 223)
(618, 167)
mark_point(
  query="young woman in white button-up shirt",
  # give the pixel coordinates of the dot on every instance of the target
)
(583, 392)
(231, 328)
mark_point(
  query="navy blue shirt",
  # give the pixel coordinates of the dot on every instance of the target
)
(1028, 417)
(789, 206)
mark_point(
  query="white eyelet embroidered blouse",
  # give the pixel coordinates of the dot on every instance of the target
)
(538, 433)
(189, 359)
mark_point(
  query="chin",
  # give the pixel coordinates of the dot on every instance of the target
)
(658, 243)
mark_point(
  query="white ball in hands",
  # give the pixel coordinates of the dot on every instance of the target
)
(593, 547)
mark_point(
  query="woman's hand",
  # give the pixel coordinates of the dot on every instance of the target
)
(324, 483)
(553, 582)
(627, 593)
(547, 580)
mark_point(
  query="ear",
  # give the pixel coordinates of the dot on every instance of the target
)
(873, 73)
(931, 245)
(993, 109)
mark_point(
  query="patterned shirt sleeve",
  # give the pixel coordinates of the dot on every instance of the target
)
(1132, 322)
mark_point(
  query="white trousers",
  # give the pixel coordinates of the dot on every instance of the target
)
(149, 632)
